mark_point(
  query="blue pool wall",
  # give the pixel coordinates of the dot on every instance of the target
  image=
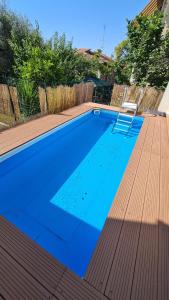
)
(69, 234)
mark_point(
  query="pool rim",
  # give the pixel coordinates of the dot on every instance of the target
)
(55, 129)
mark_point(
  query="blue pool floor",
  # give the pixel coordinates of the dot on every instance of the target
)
(61, 195)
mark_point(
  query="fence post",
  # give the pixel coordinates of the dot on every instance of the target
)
(5, 103)
(15, 102)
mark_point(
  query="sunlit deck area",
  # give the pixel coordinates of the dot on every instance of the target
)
(131, 260)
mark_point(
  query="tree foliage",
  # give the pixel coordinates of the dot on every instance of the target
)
(10, 23)
(121, 50)
(27, 56)
(122, 68)
(145, 53)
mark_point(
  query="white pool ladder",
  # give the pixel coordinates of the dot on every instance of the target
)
(130, 106)
(123, 125)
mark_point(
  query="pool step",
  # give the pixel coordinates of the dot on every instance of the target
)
(119, 129)
(125, 124)
(120, 124)
(123, 121)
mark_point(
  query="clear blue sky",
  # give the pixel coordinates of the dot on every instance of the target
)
(81, 20)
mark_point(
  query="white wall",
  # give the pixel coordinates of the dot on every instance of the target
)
(164, 104)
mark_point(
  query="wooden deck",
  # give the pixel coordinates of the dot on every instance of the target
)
(131, 260)
(16, 136)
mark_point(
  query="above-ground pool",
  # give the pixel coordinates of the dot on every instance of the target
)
(58, 188)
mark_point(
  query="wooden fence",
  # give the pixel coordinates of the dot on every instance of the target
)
(53, 100)
(9, 104)
(150, 101)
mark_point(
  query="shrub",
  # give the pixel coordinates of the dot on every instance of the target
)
(28, 98)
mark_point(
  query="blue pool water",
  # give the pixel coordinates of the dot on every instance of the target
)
(58, 189)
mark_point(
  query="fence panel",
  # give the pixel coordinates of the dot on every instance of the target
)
(150, 100)
(117, 94)
(5, 102)
(42, 100)
(60, 98)
(15, 101)
(64, 97)
(19, 104)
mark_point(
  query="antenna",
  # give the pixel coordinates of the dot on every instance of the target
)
(103, 38)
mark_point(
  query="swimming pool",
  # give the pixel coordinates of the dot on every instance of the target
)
(58, 188)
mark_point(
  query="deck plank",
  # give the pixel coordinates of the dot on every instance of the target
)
(38, 268)
(145, 272)
(43, 267)
(16, 136)
(163, 271)
(17, 283)
(72, 287)
(121, 274)
(100, 265)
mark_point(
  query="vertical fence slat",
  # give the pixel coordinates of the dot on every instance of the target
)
(15, 101)
(5, 103)
(150, 101)
(64, 97)
(42, 100)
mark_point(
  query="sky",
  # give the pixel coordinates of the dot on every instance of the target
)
(82, 20)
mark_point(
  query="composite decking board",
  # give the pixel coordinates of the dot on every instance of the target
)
(29, 243)
(25, 244)
(121, 275)
(72, 287)
(19, 135)
(168, 124)
(19, 284)
(31, 257)
(28, 255)
(164, 138)
(16, 136)
(75, 288)
(145, 273)
(4, 293)
(100, 265)
(163, 270)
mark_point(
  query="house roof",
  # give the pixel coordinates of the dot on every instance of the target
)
(152, 6)
(89, 53)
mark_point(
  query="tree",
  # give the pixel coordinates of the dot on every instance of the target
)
(10, 22)
(75, 67)
(54, 62)
(122, 69)
(144, 35)
(121, 50)
(26, 56)
(145, 53)
(158, 70)
(32, 57)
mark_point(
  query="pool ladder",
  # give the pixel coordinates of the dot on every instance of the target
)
(126, 125)
(96, 111)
